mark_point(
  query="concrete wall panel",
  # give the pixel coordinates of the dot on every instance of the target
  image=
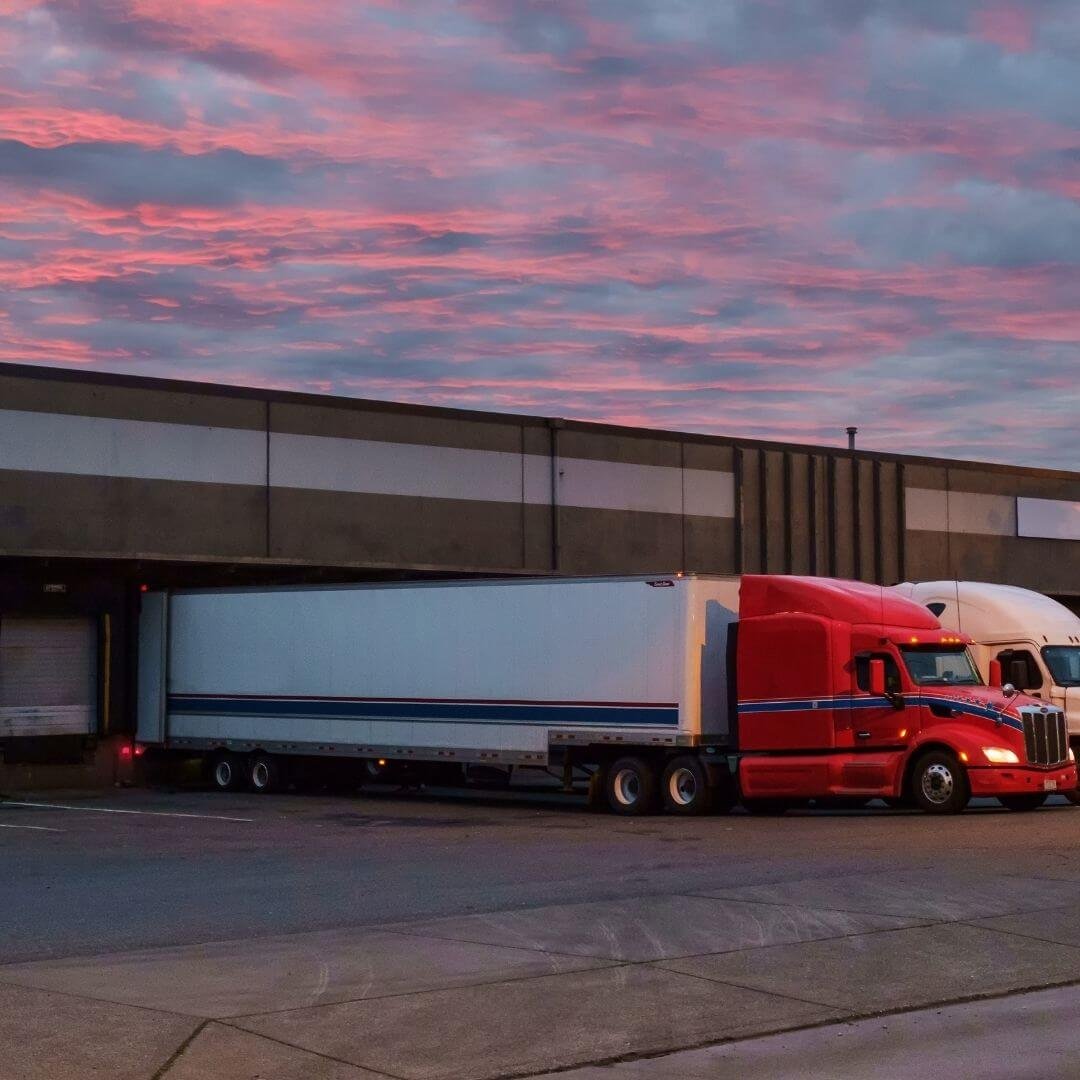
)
(844, 509)
(319, 463)
(583, 442)
(800, 512)
(866, 510)
(341, 529)
(926, 556)
(889, 524)
(131, 518)
(205, 407)
(353, 421)
(619, 542)
(710, 545)
(99, 446)
(775, 513)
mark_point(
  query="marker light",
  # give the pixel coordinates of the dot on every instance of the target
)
(382, 762)
(1000, 755)
(125, 750)
(963, 756)
(903, 733)
(914, 641)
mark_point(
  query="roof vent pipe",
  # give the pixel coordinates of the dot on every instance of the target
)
(851, 437)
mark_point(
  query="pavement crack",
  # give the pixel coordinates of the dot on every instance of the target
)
(101, 1000)
(178, 1053)
(842, 1017)
(1018, 934)
(609, 965)
(379, 1072)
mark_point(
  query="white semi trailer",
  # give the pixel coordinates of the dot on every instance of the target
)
(1035, 639)
(409, 677)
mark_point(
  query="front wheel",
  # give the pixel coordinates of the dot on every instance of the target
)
(939, 783)
(1073, 796)
(1021, 803)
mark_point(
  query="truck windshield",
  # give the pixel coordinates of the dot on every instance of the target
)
(1064, 663)
(932, 666)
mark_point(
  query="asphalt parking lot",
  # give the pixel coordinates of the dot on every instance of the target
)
(152, 934)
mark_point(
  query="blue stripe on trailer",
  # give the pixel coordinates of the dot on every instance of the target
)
(543, 713)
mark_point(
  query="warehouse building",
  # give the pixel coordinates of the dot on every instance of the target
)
(109, 484)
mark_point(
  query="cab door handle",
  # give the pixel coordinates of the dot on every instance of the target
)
(863, 734)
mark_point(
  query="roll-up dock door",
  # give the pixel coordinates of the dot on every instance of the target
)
(48, 676)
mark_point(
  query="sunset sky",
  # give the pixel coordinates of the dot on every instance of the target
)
(764, 218)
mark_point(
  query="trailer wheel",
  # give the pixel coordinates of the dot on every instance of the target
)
(226, 771)
(1021, 803)
(939, 783)
(685, 788)
(1073, 796)
(631, 786)
(264, 773)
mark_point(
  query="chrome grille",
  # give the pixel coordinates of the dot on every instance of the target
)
(1046, 737)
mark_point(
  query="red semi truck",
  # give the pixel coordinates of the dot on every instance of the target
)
(682, 693)
(849, 690)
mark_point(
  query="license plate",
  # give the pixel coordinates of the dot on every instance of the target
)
(1049, 785)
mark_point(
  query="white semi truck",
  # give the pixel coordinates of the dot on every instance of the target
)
(1035, 639)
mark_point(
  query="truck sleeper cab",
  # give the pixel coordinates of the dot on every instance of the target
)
(850, 691)
(1034, 639)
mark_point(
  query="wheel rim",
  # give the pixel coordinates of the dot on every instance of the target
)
(937, 784)
(627, 787)
(682, 786)
(260, 774)
(223, 774)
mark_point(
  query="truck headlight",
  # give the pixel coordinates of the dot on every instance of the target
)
(1000, 755)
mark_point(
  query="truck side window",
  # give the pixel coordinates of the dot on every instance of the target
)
(1018, 666)
(862, 671)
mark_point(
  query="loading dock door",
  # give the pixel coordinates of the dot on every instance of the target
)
(48, 676)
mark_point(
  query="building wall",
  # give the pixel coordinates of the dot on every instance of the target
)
(115, 468)
(108, 482)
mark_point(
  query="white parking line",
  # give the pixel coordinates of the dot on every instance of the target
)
(113, 810)
(37, 828)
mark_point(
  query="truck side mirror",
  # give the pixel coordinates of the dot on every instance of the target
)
(1018, 674)
(877, 678)
(996, 678)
